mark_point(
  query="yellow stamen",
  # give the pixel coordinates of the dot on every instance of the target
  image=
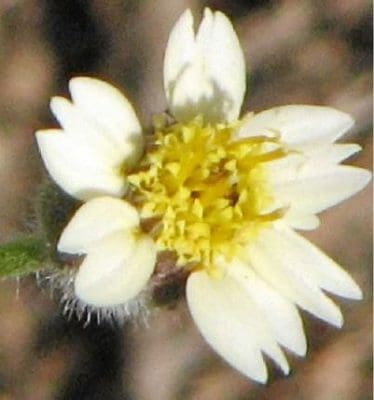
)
(209, 191)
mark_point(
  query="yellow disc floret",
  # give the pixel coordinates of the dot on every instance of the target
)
(207, 190)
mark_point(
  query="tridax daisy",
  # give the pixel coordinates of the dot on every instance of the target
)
(223, 195)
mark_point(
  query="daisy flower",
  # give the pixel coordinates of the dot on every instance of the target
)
(224, 195)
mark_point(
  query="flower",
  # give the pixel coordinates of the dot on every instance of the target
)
(224, 195)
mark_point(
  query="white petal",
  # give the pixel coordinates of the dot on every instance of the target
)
(180, 50)
(83, 130)
(305, 222)
(286, 169)
(232, 324)
(327, 153)
(277, 264)
(78, 170)
(299, 124)
(310, 182)
(280, 313)
(204, 74)
(94, 221)
(111, 111)
(312, 191)
(115, 270)
(308, 160)
(312, 264)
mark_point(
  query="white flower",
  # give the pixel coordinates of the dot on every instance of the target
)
(101, 137)
(226, 196)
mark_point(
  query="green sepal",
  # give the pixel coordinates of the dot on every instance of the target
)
(54, 209)
(22, 256)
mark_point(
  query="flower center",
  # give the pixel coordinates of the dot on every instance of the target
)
(205, 192)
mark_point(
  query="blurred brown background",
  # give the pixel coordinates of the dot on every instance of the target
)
(314, 52)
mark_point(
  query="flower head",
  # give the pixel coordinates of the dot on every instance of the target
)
(224, 195)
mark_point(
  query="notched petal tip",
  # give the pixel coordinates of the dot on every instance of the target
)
(300, 124)
(366, 176)
(280, 314)
(116, 118)
(204, 73)
(317, 189)
(83, 82)
(339, 321)
(302, 349)
(208, 12)
(59, 106)
(355, 293)
(186, 18)
(100, 132)
(260, 377)
(244, 336)
(40, 133)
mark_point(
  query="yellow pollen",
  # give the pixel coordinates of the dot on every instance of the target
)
(209, 191)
